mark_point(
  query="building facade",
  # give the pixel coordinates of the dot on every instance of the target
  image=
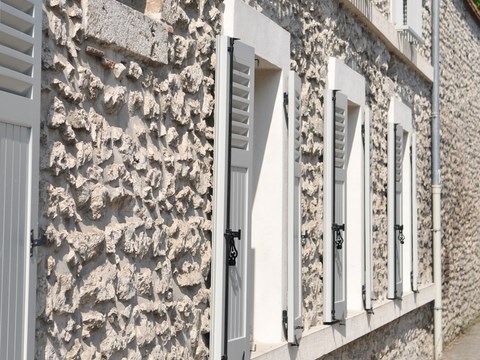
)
(306, 233)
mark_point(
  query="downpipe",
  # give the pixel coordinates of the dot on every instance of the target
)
(437, 270)
(436, 182)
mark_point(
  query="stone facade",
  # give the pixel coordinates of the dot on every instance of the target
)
(125, 182)
(400, 339)
(460, 164)
(126, 172)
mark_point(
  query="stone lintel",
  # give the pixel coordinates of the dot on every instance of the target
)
(113, 23)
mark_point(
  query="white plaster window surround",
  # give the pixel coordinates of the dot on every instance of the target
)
(402, 201)
(346, 195)
(389, 34)
(146, 38)
(256, 318)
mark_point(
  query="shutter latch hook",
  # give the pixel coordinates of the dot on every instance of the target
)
(230, 236)
(401, 237)
(338, 235)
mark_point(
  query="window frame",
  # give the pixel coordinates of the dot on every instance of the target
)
(358, 275)
(401, 114)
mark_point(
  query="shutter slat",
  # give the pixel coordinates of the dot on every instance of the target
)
(240, 103)
(25, 6)
(16, 19)
(14, 82)
(15, 39)
(240, 115)
(239, 141)
(15, 60)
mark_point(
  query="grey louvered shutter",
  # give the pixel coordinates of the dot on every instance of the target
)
(335, 180)
(398, 210)
(367, 216)
(294, 211)
(20, 61)
(413, 164)
(239, 291)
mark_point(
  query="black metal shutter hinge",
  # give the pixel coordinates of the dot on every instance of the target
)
(42, 240)
(363, 135)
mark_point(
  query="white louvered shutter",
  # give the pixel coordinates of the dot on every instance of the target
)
(335, 172)
(395, 209)
(239, 308)
(367, 223)
(20, 61)
(413, 164)
(294, 213)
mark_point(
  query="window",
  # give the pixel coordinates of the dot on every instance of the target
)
(402, 207)
(407, 17)
(264, 284)
(346, 159)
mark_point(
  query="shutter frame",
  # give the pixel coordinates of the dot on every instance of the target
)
(367, 223)
(294, 308)
(334, 300)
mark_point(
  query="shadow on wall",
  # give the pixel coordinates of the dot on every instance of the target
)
(144, 6)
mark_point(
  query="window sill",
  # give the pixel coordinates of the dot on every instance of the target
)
(391, 37)
(324, 339)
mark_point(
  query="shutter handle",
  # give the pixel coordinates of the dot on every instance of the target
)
(401, 237)
(338, 236)
(230, 237)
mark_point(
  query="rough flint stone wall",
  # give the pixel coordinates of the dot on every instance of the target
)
(460, 109)
(409, 337)
(127, 169)
(125, 189)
